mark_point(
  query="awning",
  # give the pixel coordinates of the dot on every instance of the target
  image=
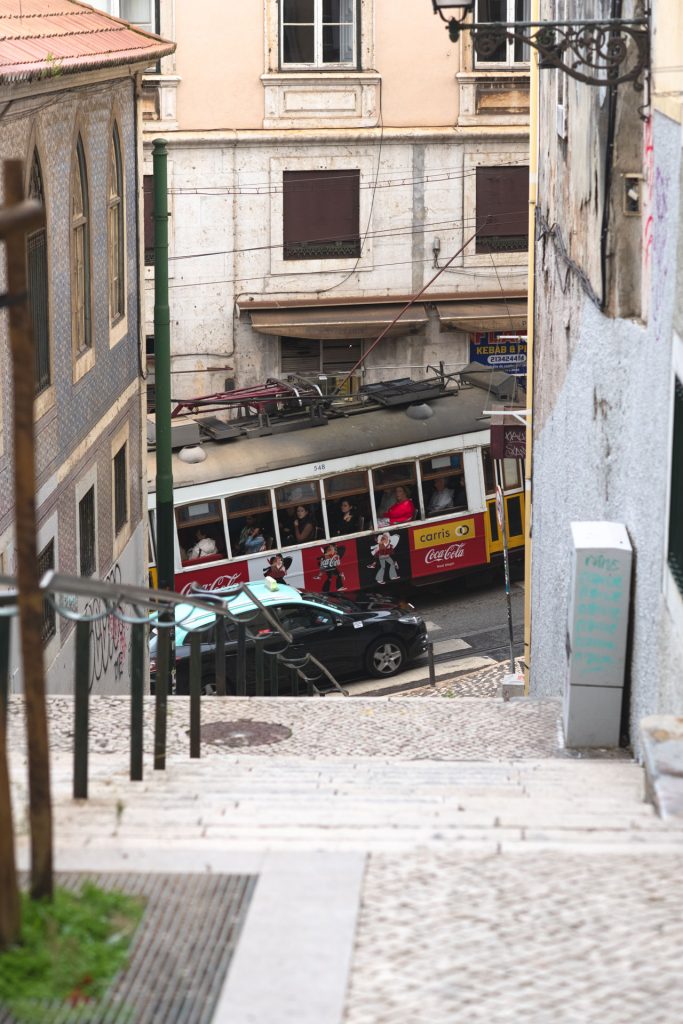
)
(337, 322)
(488, 315)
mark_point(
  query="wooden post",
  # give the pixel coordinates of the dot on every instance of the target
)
(10, 906)
(28, 216)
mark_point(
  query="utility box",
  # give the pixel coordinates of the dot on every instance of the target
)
(597, 633)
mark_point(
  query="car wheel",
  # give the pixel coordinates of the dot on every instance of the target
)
(386, 657)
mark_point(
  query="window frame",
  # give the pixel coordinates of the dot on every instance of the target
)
(120, 489)
(87, 546)
(116, 234)
(82, 330)
(510, 64)
(41, 323)
(318, 65)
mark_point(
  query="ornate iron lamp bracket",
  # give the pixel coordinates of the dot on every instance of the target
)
(601, 52)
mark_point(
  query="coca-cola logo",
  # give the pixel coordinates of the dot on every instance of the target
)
(217, 584)
(449, 554)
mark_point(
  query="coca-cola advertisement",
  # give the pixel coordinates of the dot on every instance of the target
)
(447, 546)
(384, 558)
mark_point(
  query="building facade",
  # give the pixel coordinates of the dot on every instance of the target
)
(607, 440)
(326, 161)
(72, 120)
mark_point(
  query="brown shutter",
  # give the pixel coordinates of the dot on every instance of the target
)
(502, 209)
(321, 214)
(148, 218)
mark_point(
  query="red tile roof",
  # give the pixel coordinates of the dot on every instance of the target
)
(39, 38)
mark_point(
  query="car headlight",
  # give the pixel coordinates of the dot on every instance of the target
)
(410, 620)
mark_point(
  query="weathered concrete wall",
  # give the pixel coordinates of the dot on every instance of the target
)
(602, 451)
(226, 201)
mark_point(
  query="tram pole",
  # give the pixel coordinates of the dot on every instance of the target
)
(164, 467)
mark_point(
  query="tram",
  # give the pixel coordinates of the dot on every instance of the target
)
(374, 492)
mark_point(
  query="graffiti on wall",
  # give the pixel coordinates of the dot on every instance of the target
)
(108, 637)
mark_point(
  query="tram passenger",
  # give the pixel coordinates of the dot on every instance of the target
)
(255, 541)
(402, 510)
(441, 497)
(205, 545)
(348, 518)
(304, 527)
(245, 534)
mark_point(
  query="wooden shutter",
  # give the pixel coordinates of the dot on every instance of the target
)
(502, 209)
(321, 214)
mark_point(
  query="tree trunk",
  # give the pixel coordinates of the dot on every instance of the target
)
(30, 599)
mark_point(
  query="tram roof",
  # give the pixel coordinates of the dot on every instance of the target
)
(378, 430)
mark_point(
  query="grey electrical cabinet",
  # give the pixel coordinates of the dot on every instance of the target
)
(596, 633)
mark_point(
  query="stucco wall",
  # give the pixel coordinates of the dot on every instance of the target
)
(603, 451)
(226, 201)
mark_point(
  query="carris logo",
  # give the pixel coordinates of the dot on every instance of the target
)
(449, 554)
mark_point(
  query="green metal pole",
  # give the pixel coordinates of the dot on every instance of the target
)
(162, 371)
(162, 376)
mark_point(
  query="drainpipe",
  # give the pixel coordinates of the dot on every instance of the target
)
(533, 182)
(164, 474)
(162, 371)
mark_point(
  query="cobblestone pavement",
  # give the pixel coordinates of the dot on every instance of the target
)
(483, 683)
(389, 727)
(447, 938)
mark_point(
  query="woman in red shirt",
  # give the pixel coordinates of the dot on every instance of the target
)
(403, 509)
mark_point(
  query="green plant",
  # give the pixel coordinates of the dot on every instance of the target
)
(71, 950)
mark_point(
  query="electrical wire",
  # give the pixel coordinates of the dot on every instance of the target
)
(397, 232)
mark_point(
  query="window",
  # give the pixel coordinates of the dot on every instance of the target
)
(298, 511)
(120, 489)
(321, 214)
(510, 52)
(46, 561)
(328, 361)
(148, 217)
(140, 13)
(675, 554)
(318, 33)
(115, 224)
(86, 533)
(200, 531)
(81, 311)
(395, 493)
(36, 253)
(502, 209)
(443, 485)
(250, 523)
(348, 503)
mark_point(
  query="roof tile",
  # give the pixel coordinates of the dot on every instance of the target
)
(34, 34)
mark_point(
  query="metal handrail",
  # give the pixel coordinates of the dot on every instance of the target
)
(145, 609)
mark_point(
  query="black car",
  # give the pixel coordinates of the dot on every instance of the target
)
(347, 637)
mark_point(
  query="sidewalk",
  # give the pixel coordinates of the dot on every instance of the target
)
(417, 861)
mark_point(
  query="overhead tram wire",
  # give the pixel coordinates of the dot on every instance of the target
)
(404, 309)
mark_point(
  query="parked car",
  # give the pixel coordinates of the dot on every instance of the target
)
(345, 637)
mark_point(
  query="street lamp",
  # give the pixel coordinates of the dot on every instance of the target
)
(604, 51)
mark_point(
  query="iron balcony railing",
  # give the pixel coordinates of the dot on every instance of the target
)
(143, 609)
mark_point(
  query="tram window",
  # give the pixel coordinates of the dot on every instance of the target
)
(298, 512)
(348, 503)
(200, 531)
(250, 523)
(489, 475)
(511, 477)
(395, 486)
(152, 540)
(443, 484)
